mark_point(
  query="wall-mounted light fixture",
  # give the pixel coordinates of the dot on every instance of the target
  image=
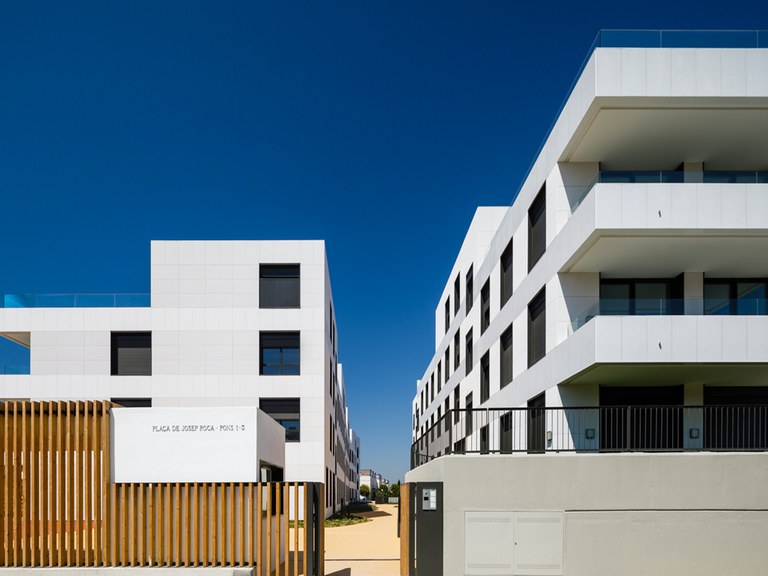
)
(589, 433)
(549, 435)
(693, 433)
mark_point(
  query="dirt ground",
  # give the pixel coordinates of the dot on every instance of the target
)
(367, 549)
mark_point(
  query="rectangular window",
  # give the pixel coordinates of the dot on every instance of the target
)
(131, 354)
(468, 352)
(484, 440)
(505, 357)
(457, 294)
(506, 274)
(456, 350)
(439, 415)
(133, 402)
(641, 297)
(468, 416)
(447, 362)
(485, 377)
(280, 353)
(742, 296)
(537, 336)
(287, 413)
(485, 306)
(470, 289)
(432, 387)
(279, 286)
(456, 404)
(439, 376)
(447, 313)
(537, 227)
(447, 414)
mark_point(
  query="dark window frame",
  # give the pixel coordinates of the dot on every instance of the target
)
(537, 227)
(283, 282)
(457, 294)
(468, 352)
(505, 283)
(537, 307)
(485, 377)
(291, 434)
(506, 357)
(125, 340)
(287, 344)
(469, 284)
(485, 306)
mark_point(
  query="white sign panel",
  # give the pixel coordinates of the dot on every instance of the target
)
(185, 444)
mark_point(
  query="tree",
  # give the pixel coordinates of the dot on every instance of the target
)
(394, 490)
(383, 491)
(365, 491)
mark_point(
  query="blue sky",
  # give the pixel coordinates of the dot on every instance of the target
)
(377, 126)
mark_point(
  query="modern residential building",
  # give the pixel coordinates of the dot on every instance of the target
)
(227, 323)
(373, 480)
(601, 345)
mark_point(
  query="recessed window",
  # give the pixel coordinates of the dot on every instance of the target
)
(537, 336)
(485, 377)
(506, 274)
(447, 313)
(133, 402)
(505, 357)
(469, 289)
(439, 376)
(468, 352)
(485, 306)
(468, 415)
(280, 353)
(456, 404)
(279, 286)
(537, 227)
(432, 387)
(447, 362)
(131, 354)
(287, 413)
(447, 415)
(456, 350)
(457, 294)
(641, 297)
(742, 296)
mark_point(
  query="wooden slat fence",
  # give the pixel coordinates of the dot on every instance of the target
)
(59, 507)
(405, 529)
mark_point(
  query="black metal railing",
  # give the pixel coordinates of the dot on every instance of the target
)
(594, 429)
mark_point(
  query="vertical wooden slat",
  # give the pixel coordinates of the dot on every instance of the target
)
(241, 525)
(98, 474)
(123, 528)
(307, 520)
(60, 490)
(46, 433)
(231, 525)
(15, 488)
(151, 547)
(259, 521)
(187, 528)
(106, 486)
(24, 490)
(278, 527)
(269, 529)
(85, 507)
(8, 463)
(33, 472)
(296, 529)
(214, 527)
(204, 534)
(140, 525)
(249, 523)
(77, 500)
(167, 520)
(132, 531)
(176, 527)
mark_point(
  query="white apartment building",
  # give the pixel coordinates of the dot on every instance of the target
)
(618, 305)
(227, 323)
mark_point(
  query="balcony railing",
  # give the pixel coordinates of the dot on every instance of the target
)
(672, 177)
(594, 430)
(76, 301)
(672, 307)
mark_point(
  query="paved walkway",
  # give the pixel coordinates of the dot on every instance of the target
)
(367, 549)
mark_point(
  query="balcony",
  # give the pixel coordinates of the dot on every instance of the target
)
(76, 301)
(672, 177)
(607, 429)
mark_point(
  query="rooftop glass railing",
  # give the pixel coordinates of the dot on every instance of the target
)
(76, 301)
(655, 39)
(672, 307)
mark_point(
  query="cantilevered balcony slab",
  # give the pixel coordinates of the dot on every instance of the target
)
(661, 230)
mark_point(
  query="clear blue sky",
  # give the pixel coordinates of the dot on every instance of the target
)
(377, 126)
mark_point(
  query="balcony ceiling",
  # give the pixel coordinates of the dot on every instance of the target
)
(668, 256)
(672, 374)
(658, 138)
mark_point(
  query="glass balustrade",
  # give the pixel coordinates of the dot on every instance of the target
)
(76, 300)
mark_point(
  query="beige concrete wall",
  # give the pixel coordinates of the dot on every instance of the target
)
(695, 513)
